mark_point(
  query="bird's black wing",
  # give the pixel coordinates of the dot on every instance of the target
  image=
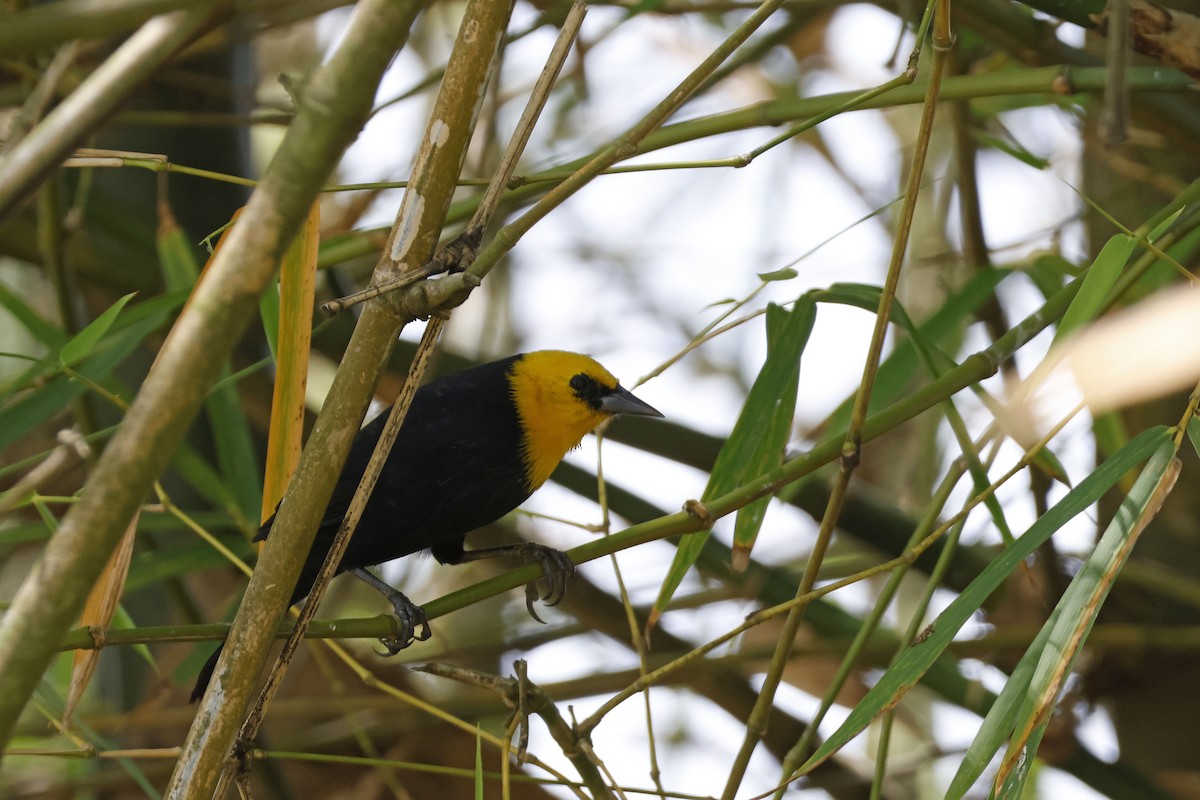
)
(455, 466)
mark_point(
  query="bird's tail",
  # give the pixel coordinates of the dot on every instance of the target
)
(206, 673)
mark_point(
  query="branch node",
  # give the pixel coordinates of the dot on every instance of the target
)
(699, 511)
(434, 296)
(99, 636)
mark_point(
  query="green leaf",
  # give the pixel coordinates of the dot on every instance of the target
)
(1080, 605)
(82, 343)
(1049, 271)
(135, 325)
(645, 6)
(237, 456)
(268, 309)
(774, 423)
(49, 701)
(45, 332)
(25, 414)
(785, 274)
(1054, 651)
(122, 620)
(860, 295)
(1163, 226)
(1096, 284)
(148, 569)
(910, 665)
(234, 443)
(1000, 721)
(896, 373)
(758, 437)
(176, 258)
(209, 483)
(1110, 432)
(1011, 147)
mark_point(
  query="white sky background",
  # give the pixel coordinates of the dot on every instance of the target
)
(686, 240)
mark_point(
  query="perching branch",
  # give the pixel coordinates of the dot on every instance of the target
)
(526, 698)
(96, 98)
(338, 99)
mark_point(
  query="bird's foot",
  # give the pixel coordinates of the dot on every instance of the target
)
(412, 623)
(556, 568)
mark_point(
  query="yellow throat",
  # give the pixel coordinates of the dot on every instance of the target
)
(553, 418)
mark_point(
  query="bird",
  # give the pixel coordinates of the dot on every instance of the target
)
(474, 445)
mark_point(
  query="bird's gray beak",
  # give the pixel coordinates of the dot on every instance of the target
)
(622, 401)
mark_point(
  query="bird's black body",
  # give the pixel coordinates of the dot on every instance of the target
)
(456, 466)
(473, 447)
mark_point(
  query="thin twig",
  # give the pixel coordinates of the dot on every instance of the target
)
(96, 98)
(71, 449)
(1114, 117)
(353, 513)
(416, 372)
(526, 697)
(449, 257)
(852, 444)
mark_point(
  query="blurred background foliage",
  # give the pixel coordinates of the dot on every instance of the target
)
(1031, 171)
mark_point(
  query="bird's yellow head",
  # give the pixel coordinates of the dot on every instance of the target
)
(559, 397)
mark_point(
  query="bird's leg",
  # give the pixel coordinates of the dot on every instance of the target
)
(410, 615)
(556, 567)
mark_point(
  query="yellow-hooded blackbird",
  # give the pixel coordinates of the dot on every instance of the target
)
(474, 446)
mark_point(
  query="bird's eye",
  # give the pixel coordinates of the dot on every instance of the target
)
(586, 389)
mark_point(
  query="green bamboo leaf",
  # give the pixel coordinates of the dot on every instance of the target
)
(774, 421)
(1054, 641)
(233, 440)
(237, 457)
(860, 295)
(176, 260)
(148, 569)
(81, 344)
(1049, 463)
(44, 331)
(1164, 226)
(1010, 147)
(908, 668)
(920, 347)
(1193, 432)
(268, 311)
(887, 385)
(1001, 720)
(1050, 271)
(158, 309)
(51, 703)
(975, 465)
(122, 621)
(210, 484)
(1096, 284)
(896, 373)
(1110, 432)
(1080, 605)
(785, 274)
(749, 445)
(22, 416)
(19, 533)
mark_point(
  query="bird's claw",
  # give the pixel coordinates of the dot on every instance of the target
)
(552, 586)
(412, 624)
